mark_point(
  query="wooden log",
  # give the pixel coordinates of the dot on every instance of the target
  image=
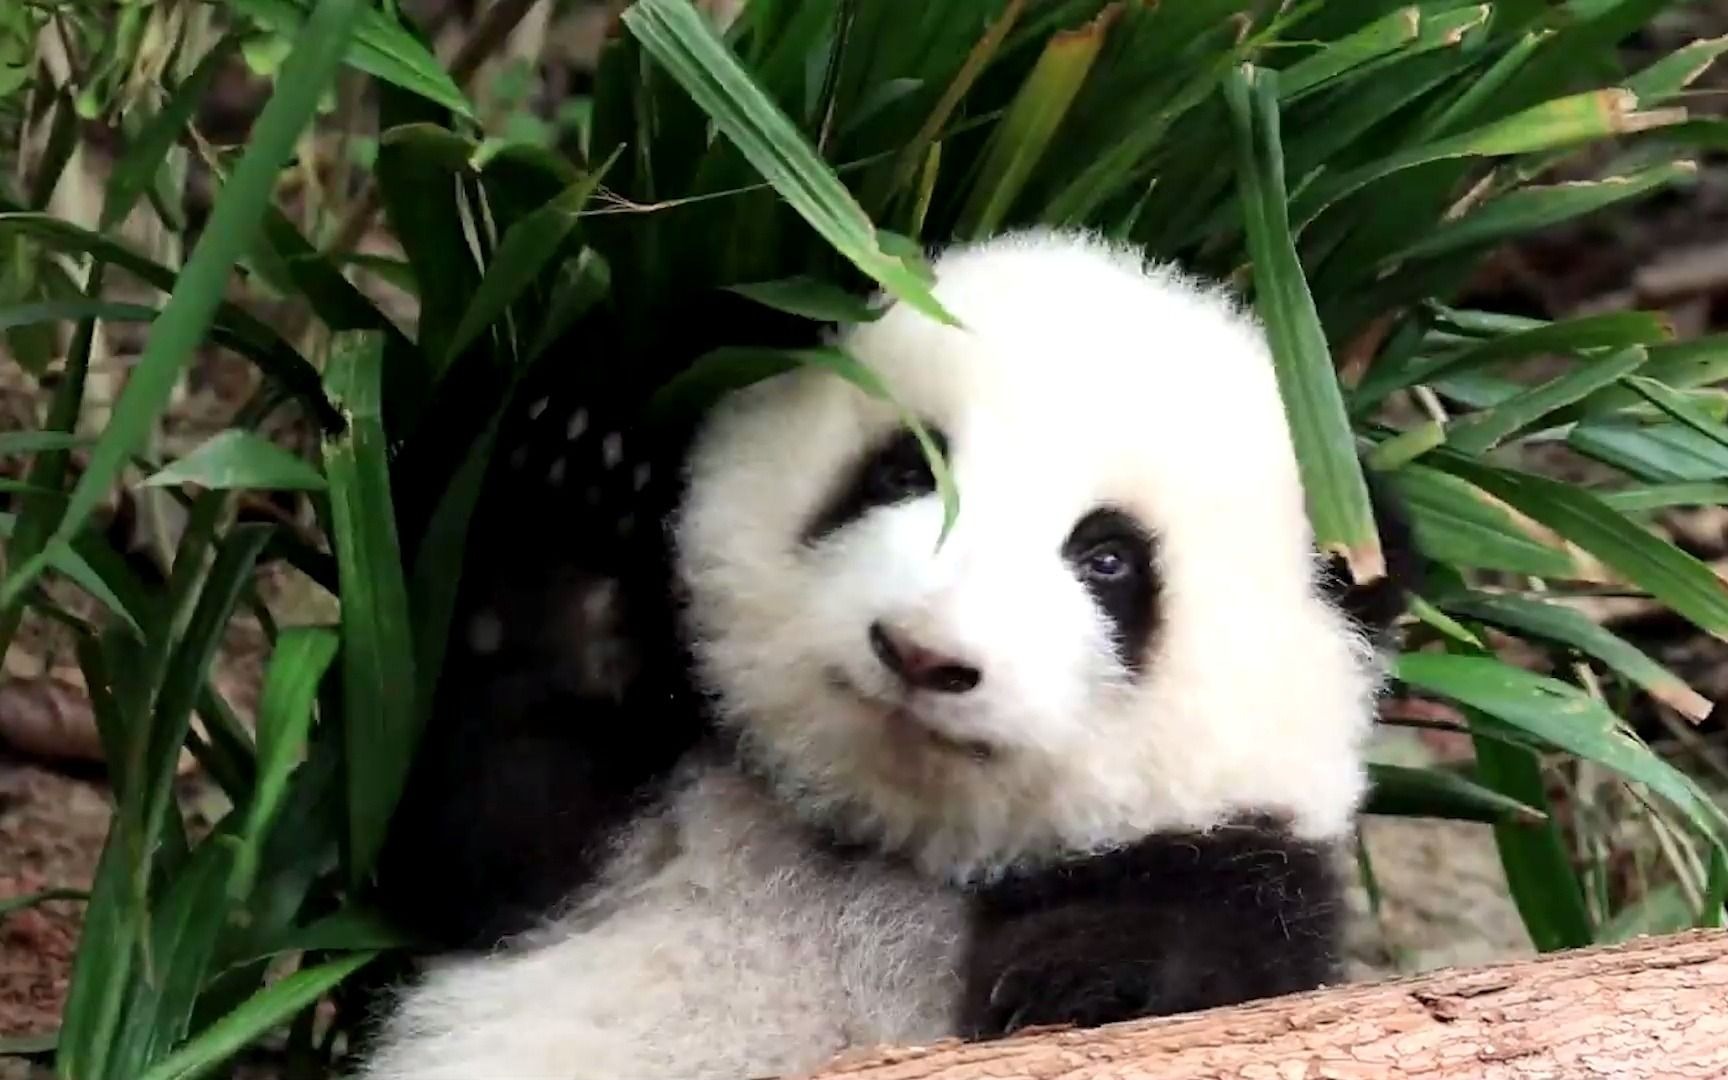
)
(1653, 1008)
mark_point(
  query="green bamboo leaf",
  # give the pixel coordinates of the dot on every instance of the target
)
(230, 573)
(1401, 791)
(337, 302)
(68, 561)
(1566, 121)
(1661, 453)
(1529, 209)
(915, 155)
(1681, 408)
(1558, 715)
(578, 284)
(1669, 574)
(1023, 136)
(419, 195)
(1556, 622)
(521, 256)
(684, 43)
(35, 442)
(1456, 523)
(1538, 868)
(1673, 73)
(137, 168)
(265, 1010)
(198, 289)
(53, 311)
(1385, 35)
(1488, 429)
(237, 459)
(380, 47)
(297, 667)
(1682, 365)
(1614, 330)
(810, 298)
(11, 904)
(733, 368)
(1661, 496)
(379, 706)
(1325, 448)
(108, 946)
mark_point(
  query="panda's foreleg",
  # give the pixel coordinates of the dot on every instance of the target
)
(1173, 924)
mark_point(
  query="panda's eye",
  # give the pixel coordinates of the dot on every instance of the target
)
(1107, 563)
(900, 471)
(894, 471)
(895, 476)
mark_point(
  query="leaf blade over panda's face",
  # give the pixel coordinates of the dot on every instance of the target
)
(1337, 494)
(729, 369)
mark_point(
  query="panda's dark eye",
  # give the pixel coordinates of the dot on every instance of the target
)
(893, 471)
(1107, 563)
(1111, 554)
(900, 471)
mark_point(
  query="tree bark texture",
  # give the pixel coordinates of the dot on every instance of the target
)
(1653, 1008)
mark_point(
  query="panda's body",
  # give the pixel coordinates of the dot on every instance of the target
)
(1081, 760)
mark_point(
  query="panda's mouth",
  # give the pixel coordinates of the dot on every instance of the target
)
(906, 725)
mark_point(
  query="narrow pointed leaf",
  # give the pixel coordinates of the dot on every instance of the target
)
(379, 706)
(238, 459)
(1562, 624)
(1325, 447)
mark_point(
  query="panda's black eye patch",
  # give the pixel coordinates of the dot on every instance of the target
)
(893, 471)
(1112, 555)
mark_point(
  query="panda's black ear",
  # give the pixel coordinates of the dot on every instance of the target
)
(1376, 605)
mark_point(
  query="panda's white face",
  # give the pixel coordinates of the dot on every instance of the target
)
(1121, 634)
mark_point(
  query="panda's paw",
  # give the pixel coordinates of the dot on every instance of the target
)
(1060, 993)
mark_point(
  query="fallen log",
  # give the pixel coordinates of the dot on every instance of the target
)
(1653, 1008)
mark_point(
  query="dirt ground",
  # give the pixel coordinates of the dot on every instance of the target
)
(1443, 897)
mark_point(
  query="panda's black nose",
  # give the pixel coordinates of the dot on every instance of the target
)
(919, 667)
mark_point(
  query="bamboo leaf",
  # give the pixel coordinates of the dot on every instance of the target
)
(521, 256)
(1325, 447)
(379, 707)
(1486, 430)
(237, 459)
(677, 35)
(810, 298)
(1671, 575)
(1558, 715)
(1020, 141)
(1557, 622)
(265, 1010)
(1533, 208)
(733, 368)
(137, 168)
(380, 48)
(284, 718)
(1401, 791)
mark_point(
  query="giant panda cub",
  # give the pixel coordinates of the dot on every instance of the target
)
(1081, 759)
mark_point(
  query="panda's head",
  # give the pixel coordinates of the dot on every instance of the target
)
(1122, 634)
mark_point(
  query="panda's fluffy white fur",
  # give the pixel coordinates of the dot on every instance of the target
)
(720, 940)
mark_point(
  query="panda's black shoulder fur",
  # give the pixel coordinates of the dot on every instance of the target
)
(564, 698)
